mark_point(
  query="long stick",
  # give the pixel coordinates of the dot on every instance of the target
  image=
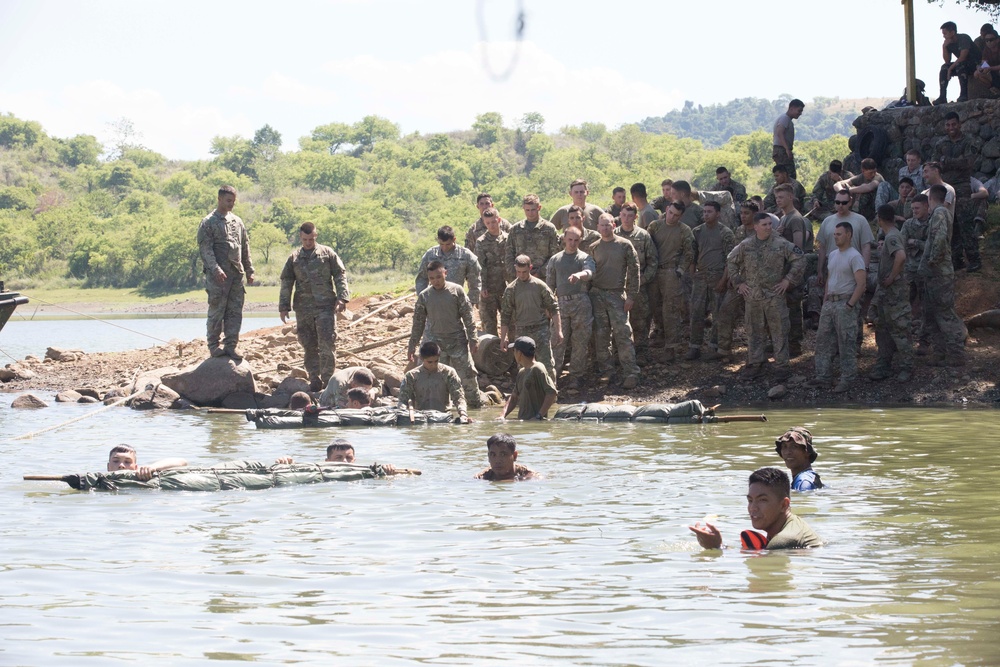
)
(225, 411)
(379, 343)
(740, 418)
(380, 309)
(76, 419)
(44, 478)
(62, 478)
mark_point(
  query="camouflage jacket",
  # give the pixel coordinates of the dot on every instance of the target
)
(314, 275)
(764, 264)
(461, 265)
(645, 249)
(223, 242)
(491, 251)
(538, 240)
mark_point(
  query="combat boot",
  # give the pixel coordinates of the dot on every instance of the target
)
(631, 382)
(751, 371)
(233, 354)
(692, 354)
(879, 373)
(717, 355)
(794, 350)
(904, 376)
(216, 351)
(842, 387)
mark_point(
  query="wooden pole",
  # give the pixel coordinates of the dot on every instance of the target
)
(911, 59)
(379, 343)
(380, 309)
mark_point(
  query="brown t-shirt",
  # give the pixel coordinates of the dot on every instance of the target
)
(533, 385)
(591, 214)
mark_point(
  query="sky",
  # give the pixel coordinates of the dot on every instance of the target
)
(186, 71)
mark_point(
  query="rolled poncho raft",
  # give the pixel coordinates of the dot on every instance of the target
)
(246, 475)
(687, 412)
(346, 417)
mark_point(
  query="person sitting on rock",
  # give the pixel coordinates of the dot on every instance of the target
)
(966, 60)
(123, 457)
(795, 447)
(502, 450)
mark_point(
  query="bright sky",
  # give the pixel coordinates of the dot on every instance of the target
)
(187, 70)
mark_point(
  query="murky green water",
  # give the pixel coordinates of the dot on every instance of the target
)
(591, 565)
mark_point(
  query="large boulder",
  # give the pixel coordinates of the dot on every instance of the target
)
(290, 385)
(62, 354)
(68, 396)
(159, 397)
(28, 401)
(209, 382)
(240, 401)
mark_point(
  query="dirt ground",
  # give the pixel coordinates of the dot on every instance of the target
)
(274, 354)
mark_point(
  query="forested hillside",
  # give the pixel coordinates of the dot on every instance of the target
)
(74, 212)
(824, 117)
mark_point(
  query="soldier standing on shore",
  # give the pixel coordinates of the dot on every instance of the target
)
(533, 236)
(478, 228)
(712, 244)
(892, 303)
(320, 285)
(459, 261)
(675, 255)
(568, 275)
(225, 252)
(946, 330)
(491, 251)
(639, 316)
(612, 294)
(527, 307)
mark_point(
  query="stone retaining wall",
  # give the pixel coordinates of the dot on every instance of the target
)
(922, 128)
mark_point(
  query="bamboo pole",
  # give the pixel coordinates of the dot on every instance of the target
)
(380, 309)
(911, 59)
(379, 343)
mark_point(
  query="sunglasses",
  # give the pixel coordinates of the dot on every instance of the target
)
(841, 203)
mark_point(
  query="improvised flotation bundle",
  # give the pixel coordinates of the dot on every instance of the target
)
(275, 419)
(688, 412)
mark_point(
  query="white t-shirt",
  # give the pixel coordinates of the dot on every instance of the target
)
(949, 199)
(862, 232)
(841, 265)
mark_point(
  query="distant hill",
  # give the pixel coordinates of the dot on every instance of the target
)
(824, 117)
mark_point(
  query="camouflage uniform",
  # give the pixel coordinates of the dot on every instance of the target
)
(478, 228)
(675, 252)
(461, 265)
(639, 316)
(538, 240)
(587, 240)
(838, 324)
(491, 251)
(892, 308)
(762, 265)
(737, 190)
(447, 316)
(528, 305)
(824, 193)
(957, 161)
(313, 274)
(223, 243)
(616, 279)
(576, 314)
(771, 204)
(946, 330)
(431, 390)
(711, 247)
(914, 239)
(791, 223)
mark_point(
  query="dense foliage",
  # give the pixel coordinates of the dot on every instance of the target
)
(76, 212)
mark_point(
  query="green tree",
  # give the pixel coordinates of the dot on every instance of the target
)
(372, 129)
(17, 199)
(81, 149)
(333, 136)
(264, 236)
(19, 133)
(488, 128)
(532, 123)
(235, 154)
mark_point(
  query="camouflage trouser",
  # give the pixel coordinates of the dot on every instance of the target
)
(611, 320)
(671, 291)
(577, 317)
(489, 307)
(767, 319)
(793, 301)
(837, 333)
(540, 333)
(781, 156)
(705, 300)
(892, 327)
(317, 332)
(964, 237)
(731, 310)
(225, 309)
(638, 318)
(655, 304)
(918, 329)
(942, 325)
(455, 353)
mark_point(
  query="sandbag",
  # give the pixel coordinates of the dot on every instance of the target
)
(595, 411)
(620, 413)
(652, 413)
(566, 412)
(687, 409)
(490, 359)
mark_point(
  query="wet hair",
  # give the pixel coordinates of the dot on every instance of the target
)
(522, 261)
(430, 349)
(638, 189)
(577, 182)
(774, 479)
(951, 115)
(299, 400)
(530, 199)
(779, 168)
(446, 234)
(682, 186)
(307, 228)
(617, 190)
(920, 199)
(760, 217)
(847, 226)
(360, 395)
(836, 166)
(483, 195)
(797, 103)
(502, 439)
(434, 265)
(949, 25)
(715, 205)
(887, 212)
(121, 449)
(721, 170)
(750, 206)
(629, 206)
(227, 190)
(907, 179)
(869, 163)
(938, 192)
(363, 376)
(339, 445)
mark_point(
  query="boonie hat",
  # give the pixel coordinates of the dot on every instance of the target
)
(525, 345)
(799, 435)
